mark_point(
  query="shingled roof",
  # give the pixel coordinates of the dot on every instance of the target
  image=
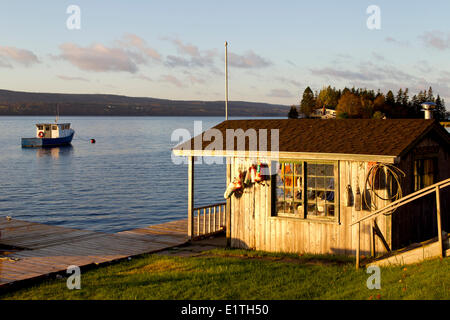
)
(390, 137)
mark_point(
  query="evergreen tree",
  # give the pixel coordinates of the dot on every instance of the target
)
(399, 98)
(430, 96)
(308, 102)
(390, 100)
(293, 113)
(439, 112)
(405, 98)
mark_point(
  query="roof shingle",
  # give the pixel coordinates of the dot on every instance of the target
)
(345, 136)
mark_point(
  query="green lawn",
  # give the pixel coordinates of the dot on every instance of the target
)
(240, 274)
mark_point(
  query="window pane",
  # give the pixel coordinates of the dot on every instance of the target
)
(289, 208)
(287, 168)
(311, 183)
(320, 183)
(320, 170)
(280, 181)
(298, 194)
(280, 207)
(280, 194)
(298, 182)
(311, 169)
(311, 209)
(288, 181)
(330, 210)
(329, 170)
(299, 209)
(298, 169)
(288, 194)
(320, 206)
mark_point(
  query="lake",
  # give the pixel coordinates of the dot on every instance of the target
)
(125, 180)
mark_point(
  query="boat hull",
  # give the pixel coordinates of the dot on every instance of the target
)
(46, 142)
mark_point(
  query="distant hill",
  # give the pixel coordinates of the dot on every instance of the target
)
(29, 103)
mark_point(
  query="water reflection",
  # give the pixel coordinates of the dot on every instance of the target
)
(54, 152)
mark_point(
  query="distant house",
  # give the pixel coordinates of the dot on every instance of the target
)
(323, 113)
(320, 181)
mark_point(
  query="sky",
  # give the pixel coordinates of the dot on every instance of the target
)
(175, 49)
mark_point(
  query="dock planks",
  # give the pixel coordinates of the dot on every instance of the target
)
(45, 249)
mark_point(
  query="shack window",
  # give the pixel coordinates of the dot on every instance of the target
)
(47, 128)
(40, 127)
(54, 128)
(306, 189)
(424, 173)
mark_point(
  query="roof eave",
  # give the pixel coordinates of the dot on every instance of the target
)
(287, 155)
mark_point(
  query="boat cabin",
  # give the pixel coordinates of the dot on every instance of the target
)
(52, 130)
(308, 185)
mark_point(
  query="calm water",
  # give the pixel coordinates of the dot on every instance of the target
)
(125, 180)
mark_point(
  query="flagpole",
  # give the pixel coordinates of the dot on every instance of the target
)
(226, 80)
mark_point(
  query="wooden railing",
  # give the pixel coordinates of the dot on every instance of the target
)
(396, 204)
(208, 220)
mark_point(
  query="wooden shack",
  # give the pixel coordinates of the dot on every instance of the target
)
(322, 176)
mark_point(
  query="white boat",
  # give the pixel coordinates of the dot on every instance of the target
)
(49, 135)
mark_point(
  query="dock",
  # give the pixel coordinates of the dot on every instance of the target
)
(30, 250)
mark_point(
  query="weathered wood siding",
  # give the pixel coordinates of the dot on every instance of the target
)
(254, 227)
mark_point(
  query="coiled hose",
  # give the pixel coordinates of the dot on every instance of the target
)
(389, 170)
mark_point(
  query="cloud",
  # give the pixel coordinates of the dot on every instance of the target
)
(377, 56)
(346, 74)
(127, 53)
(184, 48)
(67, 78)
(20, 56)
(291, 63)
(436, 39)
(289, 81)
(280, 93)
(172, 80)
(130, 40)
(397, 42)
(175, 61)
(143, 77)
(190, 55)
(194, 79)
(100, 58)
(248, 60)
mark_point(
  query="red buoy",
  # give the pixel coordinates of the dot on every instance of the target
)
(92, 140)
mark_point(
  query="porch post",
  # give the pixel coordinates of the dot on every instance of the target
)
(228, 206)
(358, 244)
(439, 222)
(190, 197)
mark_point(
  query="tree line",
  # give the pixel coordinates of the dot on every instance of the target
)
(363, 103)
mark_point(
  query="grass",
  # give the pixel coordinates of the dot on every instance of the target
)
(240, 274)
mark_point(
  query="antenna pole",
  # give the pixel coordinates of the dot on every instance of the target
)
(226, 80)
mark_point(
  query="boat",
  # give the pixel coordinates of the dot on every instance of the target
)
(50, 135)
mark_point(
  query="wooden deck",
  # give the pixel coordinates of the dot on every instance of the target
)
(29, 250)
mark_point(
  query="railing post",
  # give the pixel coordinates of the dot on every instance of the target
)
(439, 222)
(358, 231)
(191, 197)
(228, 207)
(372, 238)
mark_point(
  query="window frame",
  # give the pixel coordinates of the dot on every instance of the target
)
(422, 158)
(304, 216)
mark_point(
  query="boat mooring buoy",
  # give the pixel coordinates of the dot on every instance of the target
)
(92, 140)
